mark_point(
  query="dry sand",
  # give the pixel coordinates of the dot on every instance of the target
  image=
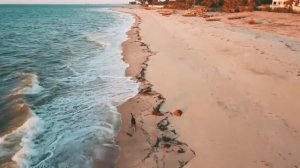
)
(237, 84)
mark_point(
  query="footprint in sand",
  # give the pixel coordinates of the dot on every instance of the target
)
(290, 47)
(257, 36)
(266, 164)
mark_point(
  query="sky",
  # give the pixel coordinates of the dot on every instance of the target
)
(63, 1)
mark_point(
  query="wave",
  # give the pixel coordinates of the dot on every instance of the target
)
(15, 116)
(72, 70)
(75, 120)
(29, 85)
(29, 129)
(14, 106)
(19, 112)
(2, 139)
(21, 123)
(115, 77)
(16, 145)
(100, 43)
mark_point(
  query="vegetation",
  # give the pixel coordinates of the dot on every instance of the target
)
(226, 5)
(223, 5)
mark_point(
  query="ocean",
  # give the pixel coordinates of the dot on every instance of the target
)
(61, 78)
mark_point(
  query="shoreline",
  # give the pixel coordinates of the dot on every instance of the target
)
(145, 106)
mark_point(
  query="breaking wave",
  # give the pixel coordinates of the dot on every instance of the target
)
(62, 79)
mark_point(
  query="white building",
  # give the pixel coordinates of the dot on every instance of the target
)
(283, 4)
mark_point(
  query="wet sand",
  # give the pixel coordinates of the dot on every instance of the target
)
(237, 85)
(137, 147)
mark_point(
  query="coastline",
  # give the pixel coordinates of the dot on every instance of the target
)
(237, 85)
(137, 149)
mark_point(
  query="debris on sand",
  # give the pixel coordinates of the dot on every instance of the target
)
(237, 17)
(213, 19)
(177, 113)
(163, 124)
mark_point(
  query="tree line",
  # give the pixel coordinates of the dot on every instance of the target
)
(226, 5)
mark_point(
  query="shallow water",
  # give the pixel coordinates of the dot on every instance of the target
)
(62, 76)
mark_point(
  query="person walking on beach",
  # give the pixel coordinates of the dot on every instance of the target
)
(133, 122)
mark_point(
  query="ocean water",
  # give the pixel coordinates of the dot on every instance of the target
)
(61, 78)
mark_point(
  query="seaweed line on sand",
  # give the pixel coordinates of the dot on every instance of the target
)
(165, 150)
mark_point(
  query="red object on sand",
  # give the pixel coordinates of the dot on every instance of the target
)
(177, 113)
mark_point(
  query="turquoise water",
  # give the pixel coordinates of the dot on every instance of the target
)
(62, 76)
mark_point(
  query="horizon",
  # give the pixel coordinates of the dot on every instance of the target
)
(64, 2)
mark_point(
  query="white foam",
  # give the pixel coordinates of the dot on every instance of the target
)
(29, 85)
(115, 77)
(98, 40)
(30, 128)
(34, 87)
(2, 139)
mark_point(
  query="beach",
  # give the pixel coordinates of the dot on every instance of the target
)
(236, 84)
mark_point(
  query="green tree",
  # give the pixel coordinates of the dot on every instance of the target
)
(232, 5)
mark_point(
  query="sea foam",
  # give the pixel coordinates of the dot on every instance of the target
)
(29, 85)
(29, 129)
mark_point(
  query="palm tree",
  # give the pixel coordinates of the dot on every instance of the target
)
(290, 3)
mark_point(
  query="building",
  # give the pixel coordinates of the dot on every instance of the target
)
(284, 4)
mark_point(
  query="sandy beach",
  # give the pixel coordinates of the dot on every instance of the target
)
(238, 86)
